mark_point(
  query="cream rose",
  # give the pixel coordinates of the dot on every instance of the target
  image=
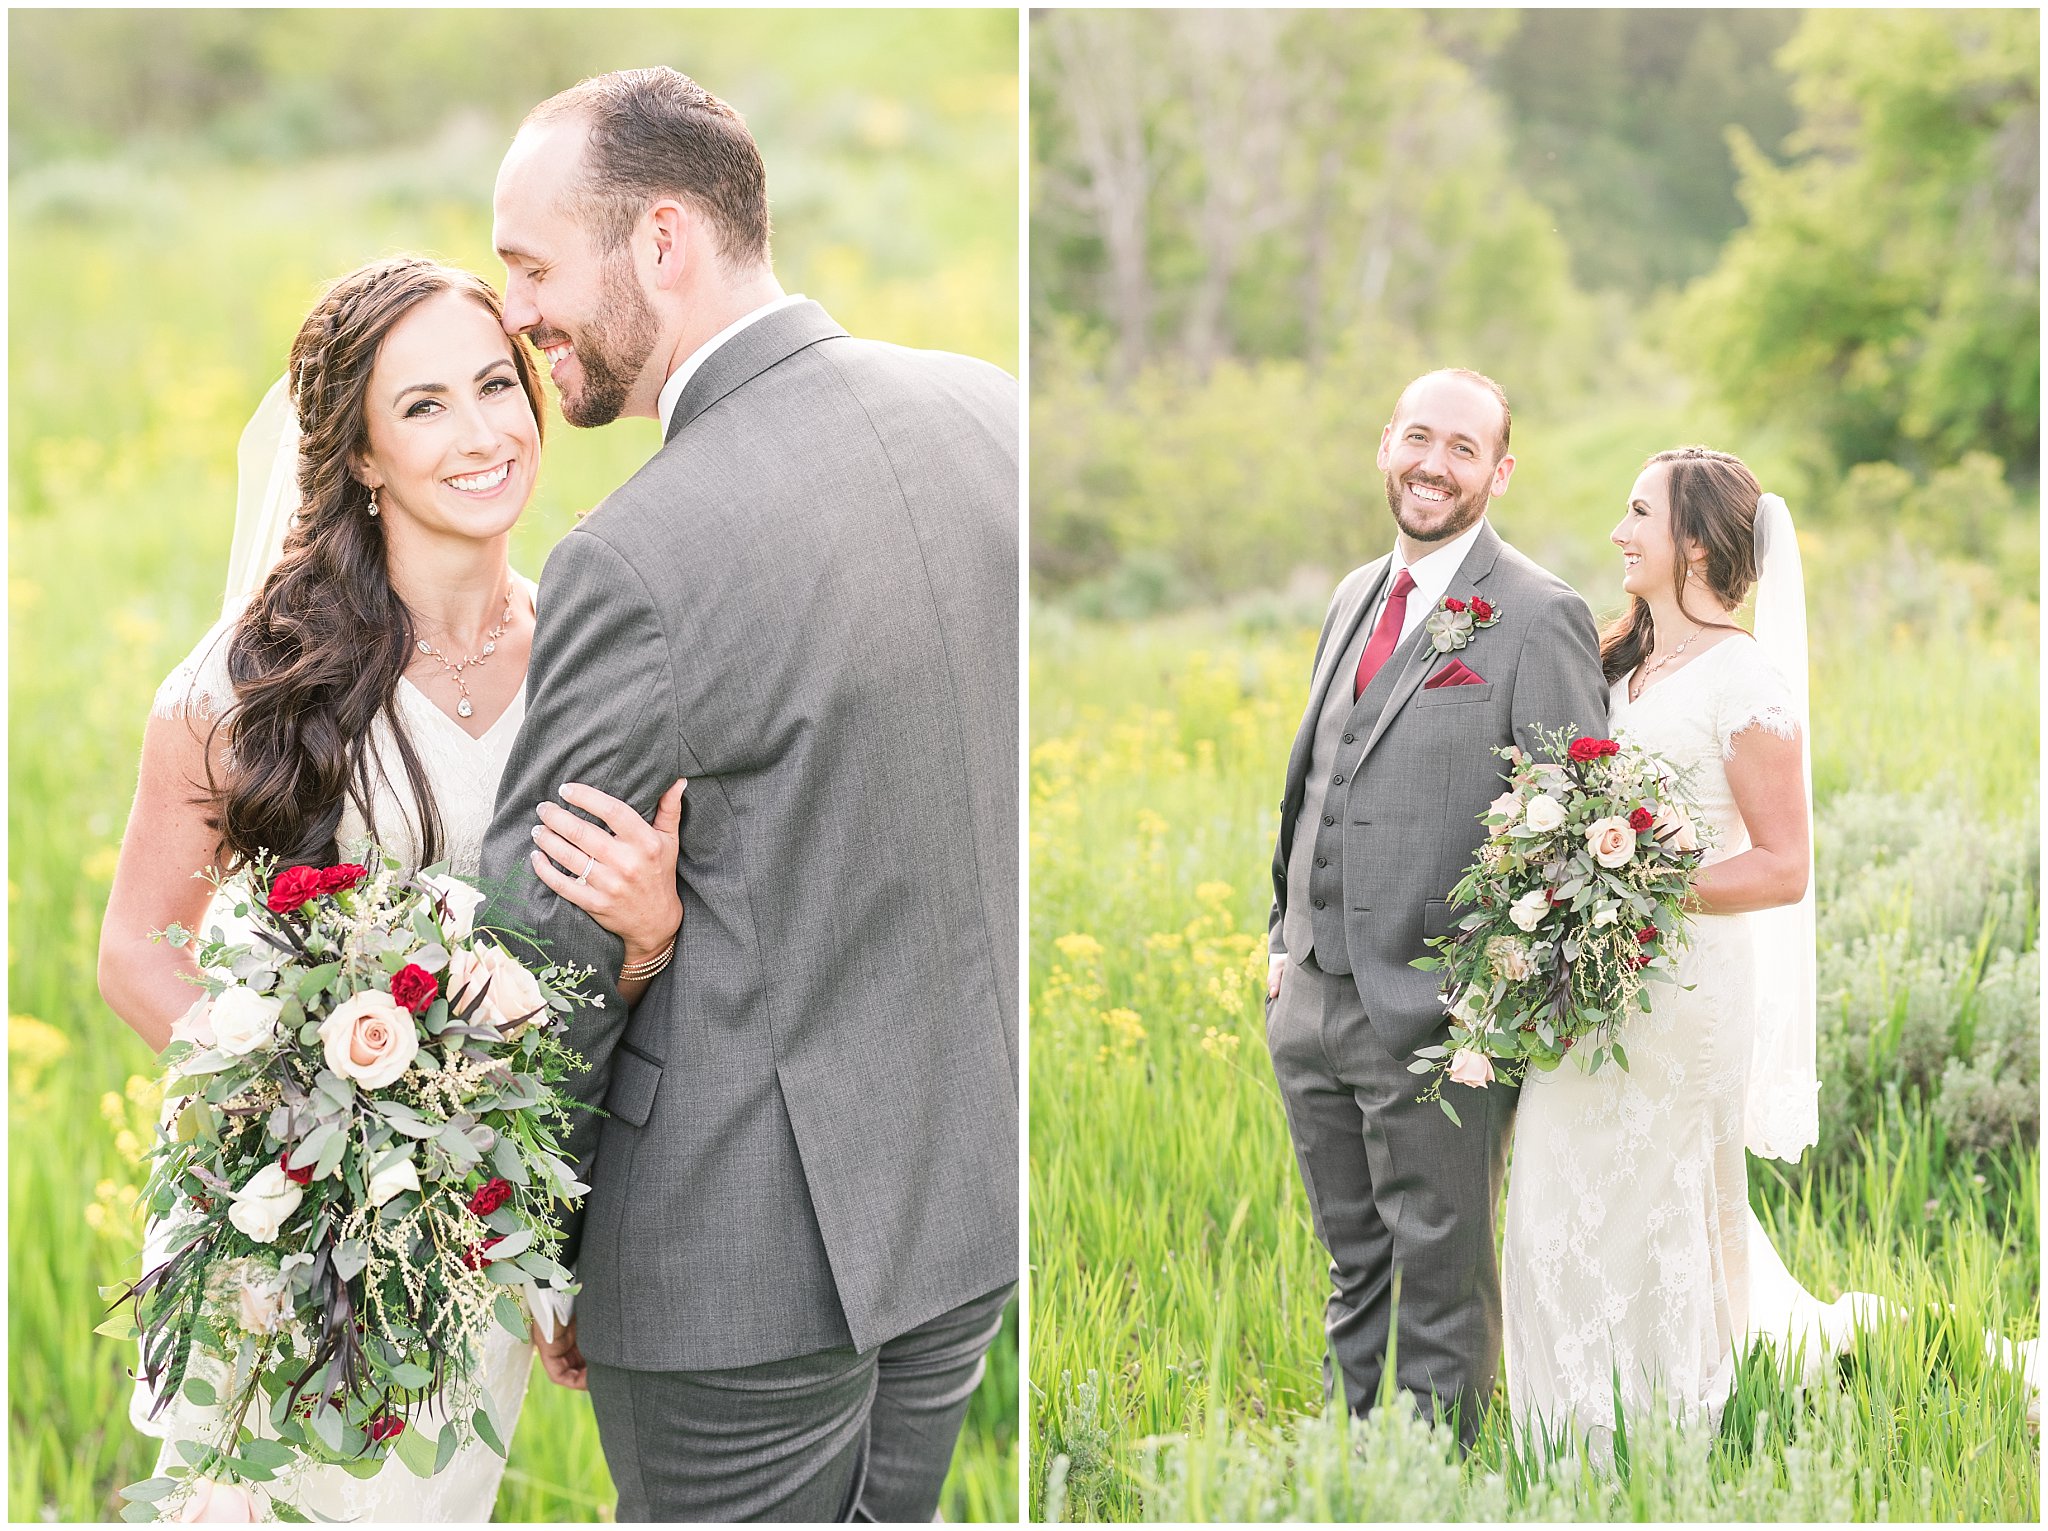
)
(243, 1020)
(1529, 910)
(391, 1177)
(1611, 841)
(1510, 959)
(196, 1024)
(1465, 1010)
(260, 1207)
(1671, 817)
(1508, 804)
(462, 900)
(1468, 1067)
(1606, 915)
(220, 1503)
(370, 1038)
(264, 1305)
(510, 995)
(1544, 813)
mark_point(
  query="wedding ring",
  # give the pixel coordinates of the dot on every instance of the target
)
(584, 875)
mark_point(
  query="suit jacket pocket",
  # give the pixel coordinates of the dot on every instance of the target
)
(1438, 918)
(1450, 696)
(635, 1077)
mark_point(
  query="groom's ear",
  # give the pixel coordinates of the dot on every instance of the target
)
(669, 223)
(1386, 445)
(1502, 472)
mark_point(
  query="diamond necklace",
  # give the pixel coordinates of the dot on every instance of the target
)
(464, 708)
(1643, 673)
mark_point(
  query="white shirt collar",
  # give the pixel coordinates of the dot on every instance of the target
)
(678, 380)
(1434, 570)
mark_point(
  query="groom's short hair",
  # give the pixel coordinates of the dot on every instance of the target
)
(1507, 417)
(658, 133)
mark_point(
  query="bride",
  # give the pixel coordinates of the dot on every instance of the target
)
(1631, 1256)
(1628, 1240)
(367, 678)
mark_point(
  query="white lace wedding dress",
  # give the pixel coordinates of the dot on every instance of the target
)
(1628, 1225)
(463, 772)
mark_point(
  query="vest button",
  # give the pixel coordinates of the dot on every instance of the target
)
(1336, 781)
(1351, 738)
(1322, 861)
(1329, 818)
(1319, 903)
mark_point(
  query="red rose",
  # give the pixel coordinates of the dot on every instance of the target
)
(1641, 820)
(386, 1427)
(294, 886)
(1452, 603)
(1639, 960)
(490, 1196)
(296, 1177)
(477, 1256)
(1583, 750)
(1481, 610)
(347, 875)
(1646, 935)
(414, 987)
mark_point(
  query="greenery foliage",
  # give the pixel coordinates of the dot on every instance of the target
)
(159, 266)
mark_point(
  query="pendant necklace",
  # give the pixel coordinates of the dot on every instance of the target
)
(1644, 672)
(463, 707)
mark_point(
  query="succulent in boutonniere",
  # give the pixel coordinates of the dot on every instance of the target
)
(1454, 621)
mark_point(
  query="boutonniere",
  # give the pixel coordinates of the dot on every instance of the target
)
(1454, 621)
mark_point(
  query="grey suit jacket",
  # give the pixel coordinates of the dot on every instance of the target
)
(806, 603)
(1407, 814)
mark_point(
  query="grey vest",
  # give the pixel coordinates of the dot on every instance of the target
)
(1314, 921)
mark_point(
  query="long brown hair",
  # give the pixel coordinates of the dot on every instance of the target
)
(1713, 499)
(319, 652)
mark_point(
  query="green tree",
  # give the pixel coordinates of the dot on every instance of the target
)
(1886, 289)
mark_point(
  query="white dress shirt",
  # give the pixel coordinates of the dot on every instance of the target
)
(678, 380)
(1432, 574)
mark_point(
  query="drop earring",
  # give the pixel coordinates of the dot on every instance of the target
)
(373, 504)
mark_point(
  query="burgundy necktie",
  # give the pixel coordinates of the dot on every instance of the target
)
(1384, 636)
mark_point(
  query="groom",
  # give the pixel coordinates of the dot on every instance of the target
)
(802, 1226)
(1391, 768)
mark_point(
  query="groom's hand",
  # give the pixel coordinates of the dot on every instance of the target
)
(1276, 966)
(563, 1361)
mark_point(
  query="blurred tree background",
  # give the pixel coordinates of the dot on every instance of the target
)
(182, 185)
(1808, 237)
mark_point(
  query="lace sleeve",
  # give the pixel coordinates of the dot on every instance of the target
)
(200, 687)
(1752, 695)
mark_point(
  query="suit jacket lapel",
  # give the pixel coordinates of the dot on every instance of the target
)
(750, 353)
(1479, 561)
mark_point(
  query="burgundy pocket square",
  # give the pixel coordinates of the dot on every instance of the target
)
(1456, 673)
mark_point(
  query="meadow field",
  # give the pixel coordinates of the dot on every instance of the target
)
(1177, 1284)
(152, 299)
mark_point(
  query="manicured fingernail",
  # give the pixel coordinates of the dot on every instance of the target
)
(535, 832)
(568, 787)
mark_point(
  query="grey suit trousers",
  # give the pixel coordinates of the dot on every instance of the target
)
(836, 1435)
(1394, 1187)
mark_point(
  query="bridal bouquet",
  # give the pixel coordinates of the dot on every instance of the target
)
(1577, 900)
(358, 1175)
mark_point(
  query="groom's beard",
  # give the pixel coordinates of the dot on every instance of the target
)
(1456, 514)
(613, 348)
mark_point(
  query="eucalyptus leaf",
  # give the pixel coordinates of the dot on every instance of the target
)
(198, 1390)
(416, 1452)
(317, 979)
(149, 1490)
(487, 1431)
(506, 1309)
(350, 1256)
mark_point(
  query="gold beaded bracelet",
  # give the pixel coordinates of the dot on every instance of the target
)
(633, 972)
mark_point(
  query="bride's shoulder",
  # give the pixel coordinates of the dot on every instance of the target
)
(1748, 692)
(201, 686)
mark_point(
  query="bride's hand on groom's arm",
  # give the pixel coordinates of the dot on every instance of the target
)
(621, 871)
(560, 1358)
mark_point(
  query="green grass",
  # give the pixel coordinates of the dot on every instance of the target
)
(149, 312)
(1177, 1286)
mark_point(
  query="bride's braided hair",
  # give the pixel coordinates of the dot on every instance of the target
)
(1713, 499)
(319, 652)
